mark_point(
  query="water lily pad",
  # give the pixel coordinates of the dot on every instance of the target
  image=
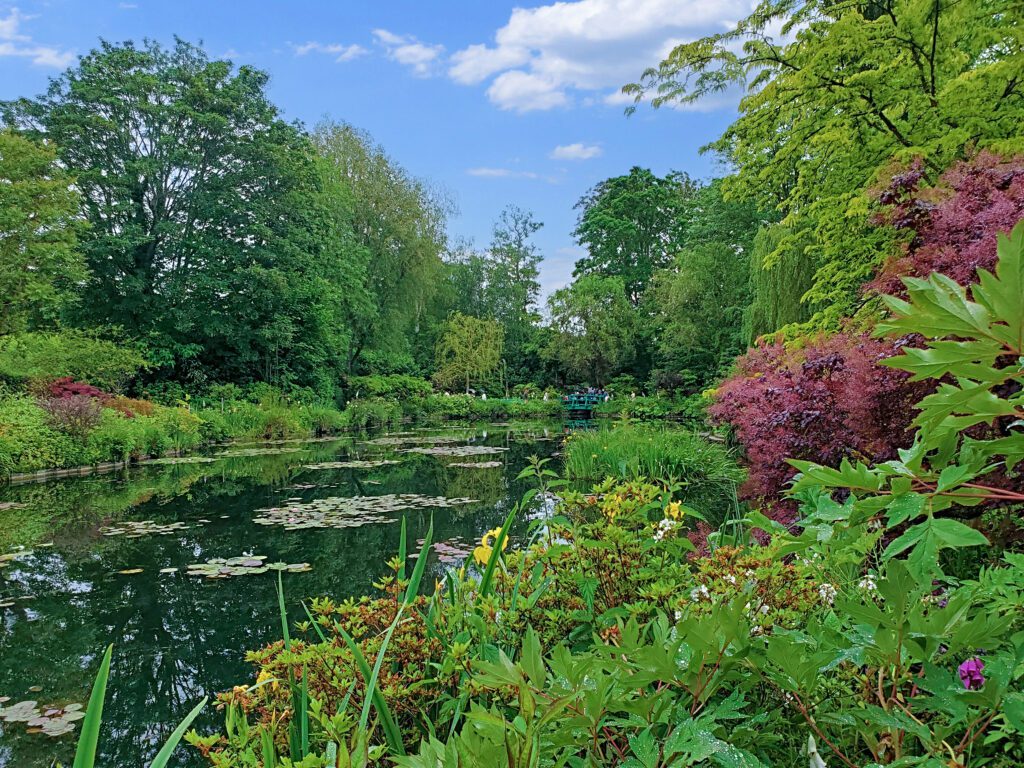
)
(130, 571)
(476, 464)
(134, 529)
(349, 511)
(461, 450)
(237, 452)
(184, 460)
(243, 565)
(168, 570)
(353, 464)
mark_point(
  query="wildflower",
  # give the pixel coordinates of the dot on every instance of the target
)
(664, 528)
(699, 593)
(868, 583)
(971, 673)
(265, 677)
(730, 578)
(482, 554)
(675, 510)
(827, 593)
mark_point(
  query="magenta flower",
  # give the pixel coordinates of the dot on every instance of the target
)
(971, 673)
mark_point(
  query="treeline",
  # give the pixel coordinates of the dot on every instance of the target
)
(165, 231)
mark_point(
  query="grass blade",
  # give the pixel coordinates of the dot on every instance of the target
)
(85, 753)
(391, 732)
(421, 565)
(164, 755)
(284, 614)
(402, 551)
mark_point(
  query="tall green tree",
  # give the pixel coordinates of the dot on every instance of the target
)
(838, 93)
(400, 222)
(40, 267)
(197, 196)
(630, 227)
(468, 351)
(513, 289)
(595, 328)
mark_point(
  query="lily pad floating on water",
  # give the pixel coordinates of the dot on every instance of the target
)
(350, 511)
(243, 565)
(462, 450)
(184, 460)
(475, 464)
(352, 464)
(133, 529)
(236, 452)
(413, 439)
(51, 721)
(168, 570)
(130, 571)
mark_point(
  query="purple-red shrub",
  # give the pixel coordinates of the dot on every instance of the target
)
(822, 402)
(76, 415)
(67, 387)
(955, 222)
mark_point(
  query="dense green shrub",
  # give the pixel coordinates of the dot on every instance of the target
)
(394, 387)
(688, 409)
(374, 412)
(469, 407)
(38, 357)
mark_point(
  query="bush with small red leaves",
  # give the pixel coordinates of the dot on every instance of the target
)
(823, 402)
(67, 387)
(76, 415)
(953, 224)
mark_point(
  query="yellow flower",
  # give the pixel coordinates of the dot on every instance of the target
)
(675, 511)
(264, 676)
(482, 554)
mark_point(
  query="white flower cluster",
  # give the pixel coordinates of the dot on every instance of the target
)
(868, 583)
(664, 528)
(700, 593)
(827, 593)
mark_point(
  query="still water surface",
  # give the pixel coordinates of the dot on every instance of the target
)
(179, 637)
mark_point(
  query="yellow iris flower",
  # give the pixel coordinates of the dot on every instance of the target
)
(482, 554)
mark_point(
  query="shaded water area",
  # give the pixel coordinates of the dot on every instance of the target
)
(77, 585)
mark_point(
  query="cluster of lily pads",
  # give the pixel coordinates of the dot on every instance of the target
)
(450, 552)
(184, 460)
(237, 452)
(51, 721)
(134, 529)
(475, 464)
(350, 511)
(461, 450)
(244, 565)
(413, 439)
(352, 464)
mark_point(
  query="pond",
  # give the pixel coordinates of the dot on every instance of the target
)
(106, 558)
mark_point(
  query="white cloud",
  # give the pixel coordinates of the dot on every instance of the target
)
(577, 151)
(14, 43)
(341, 53)
(501, 173)
(543, 57)
(407, 50)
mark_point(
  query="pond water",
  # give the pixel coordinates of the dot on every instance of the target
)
(99, 551)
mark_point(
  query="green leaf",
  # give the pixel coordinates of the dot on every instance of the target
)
(164, 755)
(85, 753)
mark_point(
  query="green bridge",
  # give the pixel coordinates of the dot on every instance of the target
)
(582, 402)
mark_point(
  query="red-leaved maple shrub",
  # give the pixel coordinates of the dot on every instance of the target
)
(67, 387)
(824, 401)
(955, 222)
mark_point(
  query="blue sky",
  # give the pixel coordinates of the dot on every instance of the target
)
(492, 102)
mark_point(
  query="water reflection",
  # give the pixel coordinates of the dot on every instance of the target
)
(178, 637)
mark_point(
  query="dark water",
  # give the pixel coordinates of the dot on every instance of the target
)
(178, 637)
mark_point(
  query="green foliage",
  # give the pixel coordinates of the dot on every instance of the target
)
(707, 474)
(781, 272)
(595, 327)
(28, 358)
(468, 351)
(630, 226)
(836, 92)
(39, 263)
(395, 387)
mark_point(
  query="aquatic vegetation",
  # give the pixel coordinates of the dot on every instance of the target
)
(412, 438)
(463, 450)
(239, 452)
(134, 529)
(350, 511)
(185, 460)
(48, 720)
(352, 464)
(475, 464)
(244, 565)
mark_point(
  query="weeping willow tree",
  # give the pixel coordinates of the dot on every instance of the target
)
(781, 272)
